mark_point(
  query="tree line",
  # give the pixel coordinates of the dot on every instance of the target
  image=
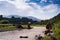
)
(14, 20)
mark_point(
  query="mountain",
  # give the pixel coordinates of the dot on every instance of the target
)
(34, 18)
(29, 17)
(16, 16)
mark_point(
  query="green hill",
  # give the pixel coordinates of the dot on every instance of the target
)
(56, 27)
(56, 19)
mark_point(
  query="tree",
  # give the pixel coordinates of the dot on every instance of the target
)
(24, 20)
(1, 16)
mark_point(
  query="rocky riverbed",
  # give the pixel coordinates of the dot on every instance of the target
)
(15, 35)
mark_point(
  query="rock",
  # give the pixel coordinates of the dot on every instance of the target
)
(23, 36)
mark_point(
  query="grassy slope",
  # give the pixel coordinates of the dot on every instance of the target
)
(57, 30)
(55, 19)
(56, 27)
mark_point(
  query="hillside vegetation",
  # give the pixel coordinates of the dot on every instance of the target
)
(55, 19)
(56, 27)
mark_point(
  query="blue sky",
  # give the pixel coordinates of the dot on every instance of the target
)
(41, 9)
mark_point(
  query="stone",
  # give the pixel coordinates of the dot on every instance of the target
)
(23, 36)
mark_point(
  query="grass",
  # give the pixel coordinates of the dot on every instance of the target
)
(57, 30)
(8, 28)
(38, 25)
(5, 25)
(47, 38)
(24, 26)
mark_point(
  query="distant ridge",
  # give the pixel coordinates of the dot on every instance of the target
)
(34, 18)
(29, 17)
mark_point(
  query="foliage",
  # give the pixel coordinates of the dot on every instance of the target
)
(5, 25)
(15, 20)
(4, 21)
(46, 38)
(57, 30)
(7, 28)
(55, 19)
(56, 27)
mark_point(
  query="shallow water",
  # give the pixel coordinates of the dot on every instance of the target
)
(14, 35)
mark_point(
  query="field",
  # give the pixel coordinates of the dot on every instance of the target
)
(7, 27)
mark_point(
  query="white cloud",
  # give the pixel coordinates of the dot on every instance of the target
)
(43, 1)
(20, 4)
(7, 8)
(51, 8)
(45, 12)
(1, 0)
(24, 9)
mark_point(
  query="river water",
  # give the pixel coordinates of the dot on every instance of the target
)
(15, 35)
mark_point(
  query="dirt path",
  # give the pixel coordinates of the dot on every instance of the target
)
(14, 35)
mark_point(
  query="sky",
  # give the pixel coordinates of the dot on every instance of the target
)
(41, 9)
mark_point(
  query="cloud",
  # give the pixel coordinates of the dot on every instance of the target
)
(51, 8)
(8, 8)
(20, 4)
(45, 12)
(1, 0)
(20, 7)
(43, 1)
